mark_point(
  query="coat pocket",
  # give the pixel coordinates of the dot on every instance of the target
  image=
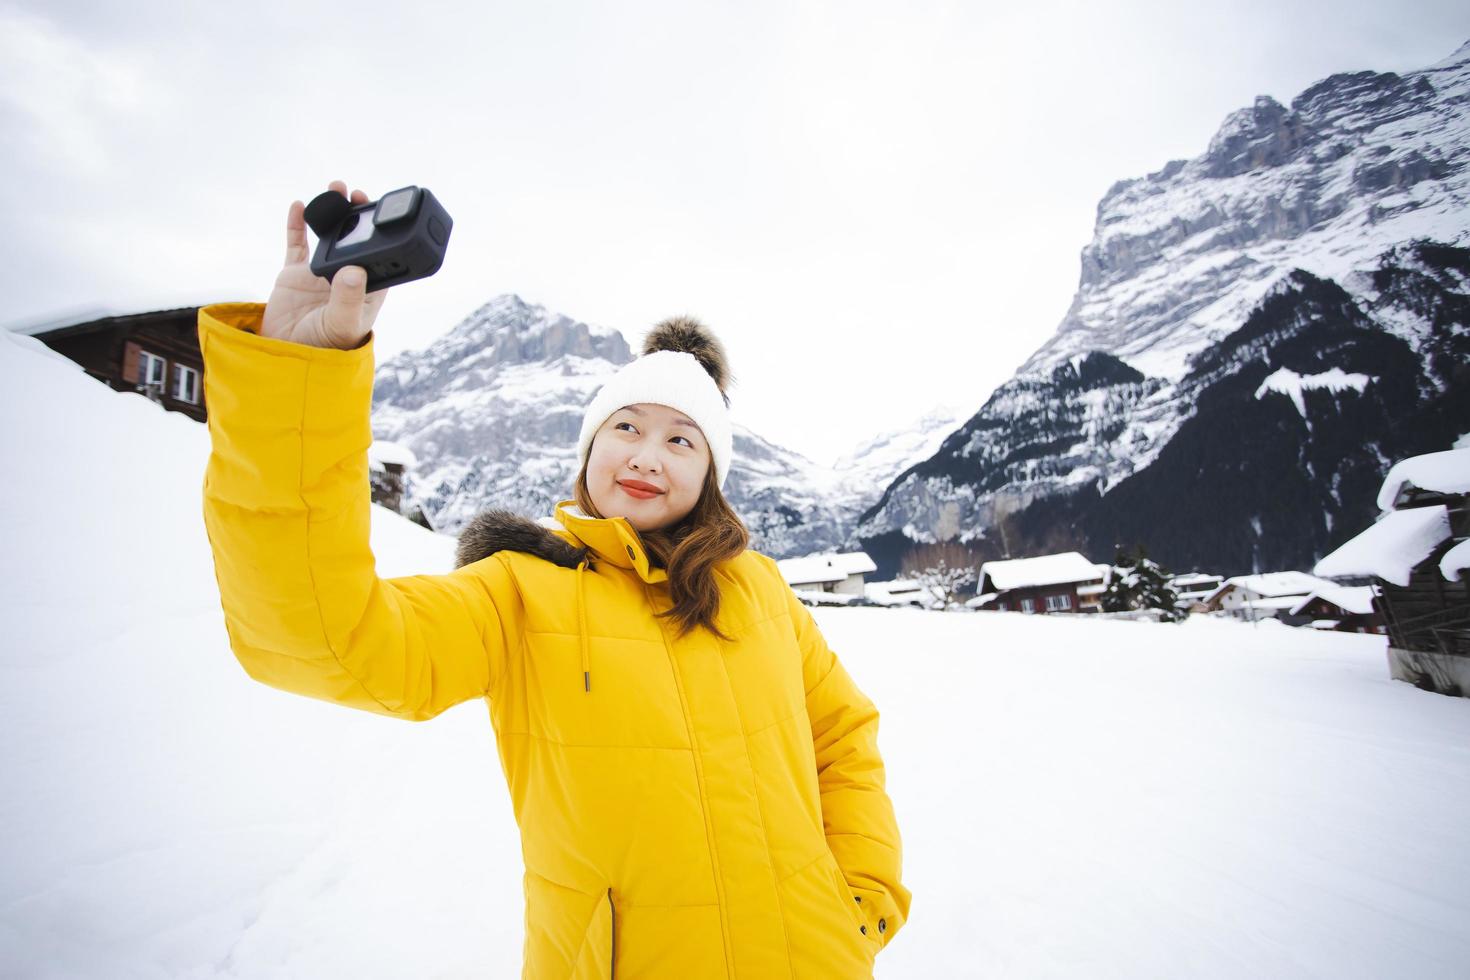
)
(569, 933)
(848, 900)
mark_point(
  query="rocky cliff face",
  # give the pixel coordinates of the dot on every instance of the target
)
(1333, 222)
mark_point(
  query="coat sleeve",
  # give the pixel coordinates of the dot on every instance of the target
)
(857, 814)
(287, 508)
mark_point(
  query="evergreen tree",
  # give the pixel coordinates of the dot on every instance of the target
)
(1137, 582)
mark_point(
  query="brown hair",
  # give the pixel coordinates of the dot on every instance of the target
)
(689, 551)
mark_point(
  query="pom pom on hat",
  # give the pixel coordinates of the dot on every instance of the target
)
(688, 335)
(683, 366)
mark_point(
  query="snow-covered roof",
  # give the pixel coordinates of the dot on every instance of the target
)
(901, 591)
(1455, 561)
(1446, 472)
(981, 599)
(826, 567)
(1287, 602)
(1196, 579)
(1272, 584)
(76, 316)
(1357, 599)
(1019, 573)
(1392, 547)
(382, 453)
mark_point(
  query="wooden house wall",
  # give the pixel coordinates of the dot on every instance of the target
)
(1347, 622)
(1012, 598)
(1426, 604)
(108, 351)
(1431, 614)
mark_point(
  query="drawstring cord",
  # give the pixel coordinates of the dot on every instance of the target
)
(582, 621)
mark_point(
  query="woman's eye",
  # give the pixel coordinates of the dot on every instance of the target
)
(686, 440)
(621, 424)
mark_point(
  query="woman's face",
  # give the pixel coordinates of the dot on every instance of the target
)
(647, 445)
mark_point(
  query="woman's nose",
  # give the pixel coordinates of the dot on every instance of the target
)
(646, 462)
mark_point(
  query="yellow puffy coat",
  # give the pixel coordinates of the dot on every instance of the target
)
(689, 808)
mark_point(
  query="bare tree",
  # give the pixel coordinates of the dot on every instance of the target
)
(946, 567)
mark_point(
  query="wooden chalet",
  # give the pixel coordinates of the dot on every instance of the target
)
(1342, 608)
(1418, 553)
(1193, 589)
(1281, 596)
(388, 466)
(155, 354)
(840, 573)
(1061, 583)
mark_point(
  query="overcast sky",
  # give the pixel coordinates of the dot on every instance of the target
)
(877, 206)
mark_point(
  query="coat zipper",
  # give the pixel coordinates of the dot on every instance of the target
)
(612, 962)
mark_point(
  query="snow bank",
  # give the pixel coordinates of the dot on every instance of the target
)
(1078, 797)
(1287, 382)
(1446, 472)
(1390, 548)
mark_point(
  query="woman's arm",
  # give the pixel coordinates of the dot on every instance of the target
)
(857, 814)
(287, 510)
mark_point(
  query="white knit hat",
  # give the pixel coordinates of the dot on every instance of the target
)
(684, 367)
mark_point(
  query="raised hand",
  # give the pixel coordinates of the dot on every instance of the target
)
(305, 308)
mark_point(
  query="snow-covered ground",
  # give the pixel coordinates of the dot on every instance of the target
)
(1078, 798)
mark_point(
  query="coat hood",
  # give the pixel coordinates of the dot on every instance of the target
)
(610, 540)
(500, 530)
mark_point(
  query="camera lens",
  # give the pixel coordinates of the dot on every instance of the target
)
(397, 205)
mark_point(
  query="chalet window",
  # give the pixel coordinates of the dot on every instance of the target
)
(150, 369)
(1028, 604)
(1058, 603)
(186, 384)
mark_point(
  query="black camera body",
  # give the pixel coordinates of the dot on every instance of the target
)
(398, 238)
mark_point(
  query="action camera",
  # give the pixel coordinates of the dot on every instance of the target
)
(398, 238)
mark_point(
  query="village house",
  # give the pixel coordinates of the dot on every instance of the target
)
(1061, 583)
(904, 592)
(388, 466)
(1194, 588)
(155, 354)
(1343, 608)
(840, 573)
(1270, 595)
(1418, 552)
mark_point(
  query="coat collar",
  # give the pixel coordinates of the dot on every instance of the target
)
(597, 539)
(612, 538)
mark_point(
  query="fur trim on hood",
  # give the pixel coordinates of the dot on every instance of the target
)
(500, 530)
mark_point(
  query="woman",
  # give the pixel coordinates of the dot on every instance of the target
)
(695, 776)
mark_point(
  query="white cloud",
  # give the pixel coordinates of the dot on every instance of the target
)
(890, 195)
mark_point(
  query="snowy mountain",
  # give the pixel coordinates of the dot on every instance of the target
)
(1256, 332)
(492, 409)
(873, 464)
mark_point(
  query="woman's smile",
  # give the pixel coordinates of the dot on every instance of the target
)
(639, 489)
